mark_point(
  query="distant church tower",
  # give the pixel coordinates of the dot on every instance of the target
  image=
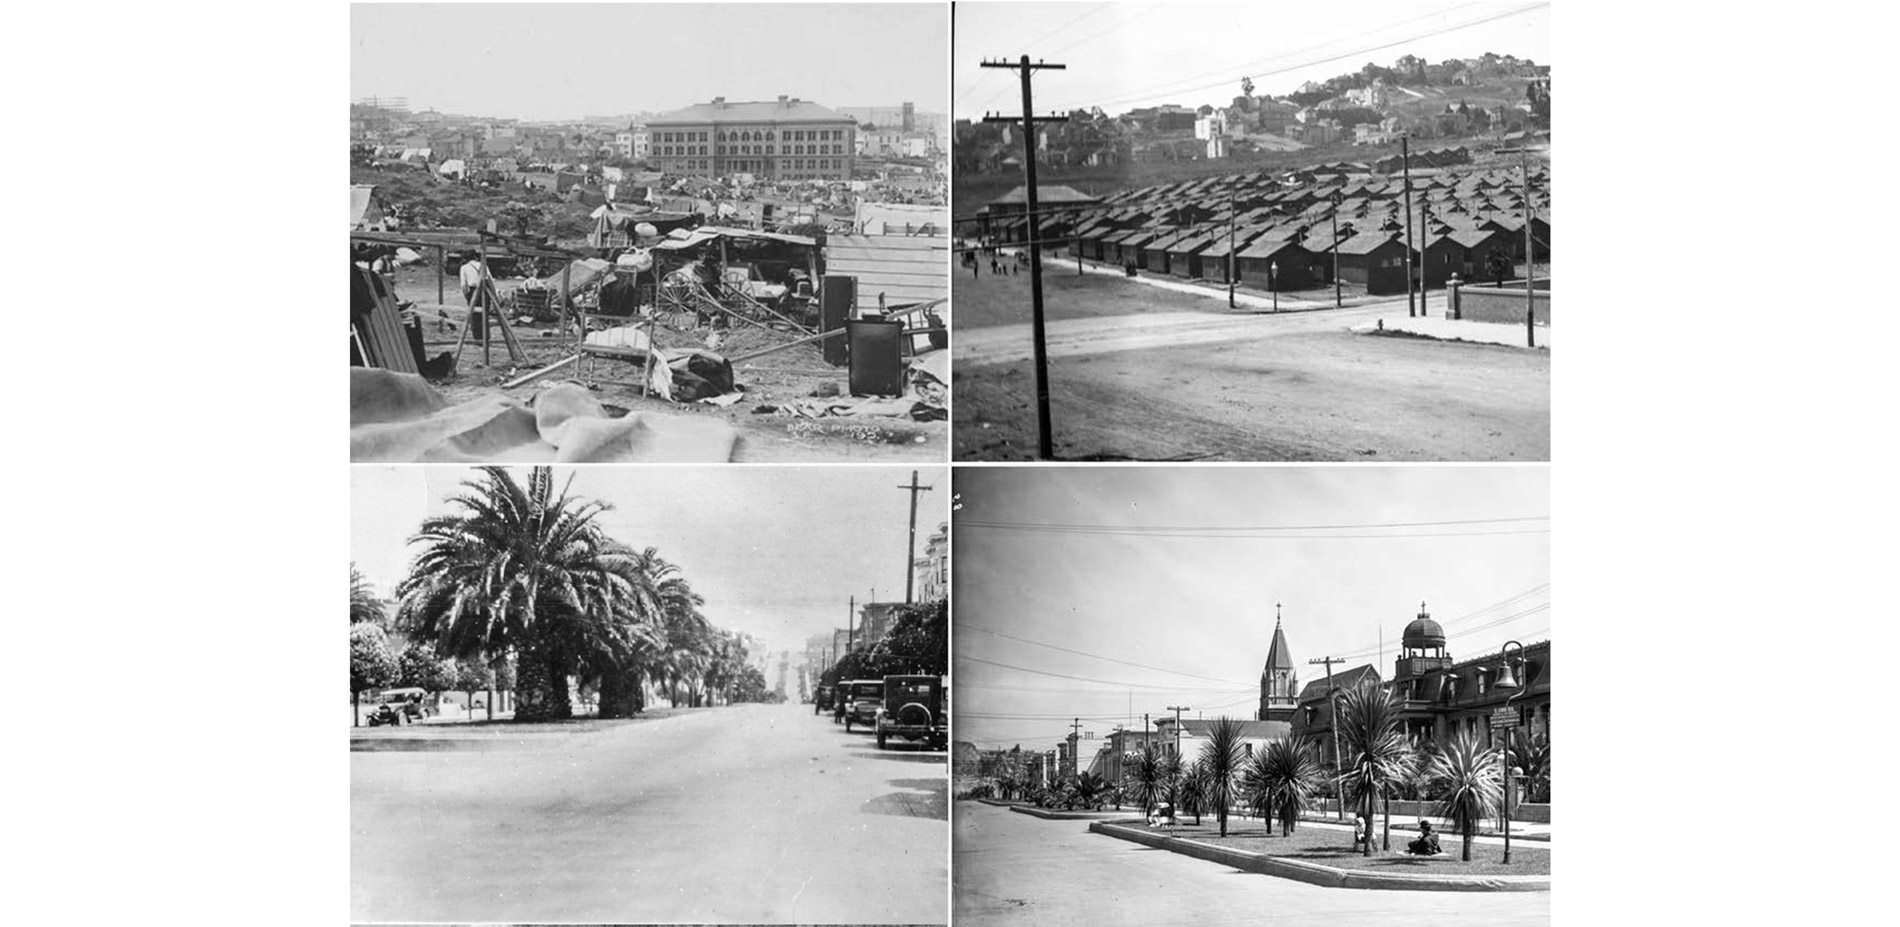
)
(1279, 687)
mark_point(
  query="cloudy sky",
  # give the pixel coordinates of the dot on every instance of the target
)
(1123, 55)
(1159, 583)
(561, 62)
(776, 551)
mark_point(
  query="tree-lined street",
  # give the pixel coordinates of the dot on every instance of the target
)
(740, 814)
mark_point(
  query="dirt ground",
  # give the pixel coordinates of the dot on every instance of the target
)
(1292, 387)
(772, 380)
(987, 300)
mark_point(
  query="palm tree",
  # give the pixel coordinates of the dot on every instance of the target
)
(1196, 784)
(1223, 755)
(1146, 774)
(1376, 755)
(365, 604)
(1471, 786)
(1282, 781)
(1530, 757)
(1089, 788)
(517, 569)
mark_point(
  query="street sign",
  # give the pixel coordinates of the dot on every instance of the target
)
(1504, 717)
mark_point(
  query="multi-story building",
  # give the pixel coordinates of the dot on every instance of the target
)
(1440, 698)
(932, 570)
(789, 139)
(632, 142)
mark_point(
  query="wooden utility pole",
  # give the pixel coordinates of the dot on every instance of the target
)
(910, 562)
(1332, 721)
(1405, 155)
(1338, 300)
(1530, 247)
(1177, 709)
(851, 627)
(1232, 263)
(1045, 444)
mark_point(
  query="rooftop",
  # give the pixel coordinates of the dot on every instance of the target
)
(784, 109)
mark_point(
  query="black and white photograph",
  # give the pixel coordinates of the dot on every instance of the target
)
(648, 695)
(649, 232)
(1199, 695)
(1252, 231)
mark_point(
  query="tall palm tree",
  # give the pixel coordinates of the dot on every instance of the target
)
(365, 604)
(1376, 755)
(1282, 781)
(1146, 773)
(1224, 754)
(516, 568)
(1470, 783)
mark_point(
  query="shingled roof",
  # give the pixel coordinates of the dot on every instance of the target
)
(1316, 690)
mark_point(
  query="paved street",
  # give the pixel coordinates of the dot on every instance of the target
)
(1015, 869)
(751, 813)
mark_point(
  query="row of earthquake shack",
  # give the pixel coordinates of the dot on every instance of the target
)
(1281, 232)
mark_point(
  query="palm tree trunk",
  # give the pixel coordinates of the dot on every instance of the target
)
(541, 681)
(1385, 835)
(1368, 809)
(1465, 829)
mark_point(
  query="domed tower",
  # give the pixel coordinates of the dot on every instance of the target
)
(1422, 648)
(1279, 687)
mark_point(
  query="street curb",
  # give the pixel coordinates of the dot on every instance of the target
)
(1052, 815)
(1316, 874)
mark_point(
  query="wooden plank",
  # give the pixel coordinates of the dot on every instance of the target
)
(529, 377)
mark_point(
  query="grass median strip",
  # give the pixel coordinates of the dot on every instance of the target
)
(1333, 847)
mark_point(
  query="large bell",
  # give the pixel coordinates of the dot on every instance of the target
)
(1506, 679)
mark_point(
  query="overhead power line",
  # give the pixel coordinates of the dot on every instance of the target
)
(1111, 682)
(1145, 94)
(1092, 656)
(1141, 529)
(1160, 89)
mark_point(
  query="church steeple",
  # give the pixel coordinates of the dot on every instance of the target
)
(1279, 687)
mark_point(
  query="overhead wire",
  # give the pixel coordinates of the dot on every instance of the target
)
(1146, 94)
(1163, 88)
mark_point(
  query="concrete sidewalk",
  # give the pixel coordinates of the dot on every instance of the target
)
(1508, 335)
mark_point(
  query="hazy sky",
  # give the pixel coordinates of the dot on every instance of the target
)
(1201, 601)
(562, 62)
(776, 551)
(1123, 55)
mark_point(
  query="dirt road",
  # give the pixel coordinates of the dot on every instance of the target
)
(1181, 377)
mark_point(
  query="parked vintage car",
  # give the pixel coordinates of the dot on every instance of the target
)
(822, 701)
(914, 709)
(863, 699)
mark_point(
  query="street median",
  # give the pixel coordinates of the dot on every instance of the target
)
(1317, 874)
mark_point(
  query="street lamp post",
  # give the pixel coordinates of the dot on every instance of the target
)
(1273, 284)
(1507, 680)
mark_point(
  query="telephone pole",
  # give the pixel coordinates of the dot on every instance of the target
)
(1332, 721)
(1405, 156)
(850, 627)
(1338, 301)
(1530, 248)
(1177, 709)
(1045, 444)
(1232, 263)
(910, 562)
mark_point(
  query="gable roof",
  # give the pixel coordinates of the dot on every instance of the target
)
(1315, 691)
(1045, 193)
